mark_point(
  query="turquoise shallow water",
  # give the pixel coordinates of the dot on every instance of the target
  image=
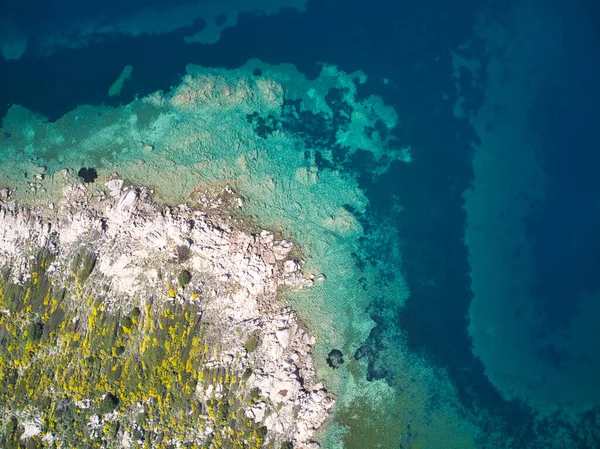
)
(233, 127)
(429, 189)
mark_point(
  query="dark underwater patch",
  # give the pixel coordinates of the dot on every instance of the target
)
(88, 175)
(335, 358)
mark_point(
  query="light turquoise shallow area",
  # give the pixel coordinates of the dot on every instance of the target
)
(199, 134)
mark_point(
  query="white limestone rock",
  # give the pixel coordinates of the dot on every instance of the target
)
(238, 276)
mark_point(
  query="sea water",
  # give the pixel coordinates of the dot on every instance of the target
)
(433, 162)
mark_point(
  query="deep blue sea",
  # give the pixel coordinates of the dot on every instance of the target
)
(494, 267)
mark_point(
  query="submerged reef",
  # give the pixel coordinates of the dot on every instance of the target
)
(127, 324)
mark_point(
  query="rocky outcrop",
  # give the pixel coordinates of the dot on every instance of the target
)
(140, 248)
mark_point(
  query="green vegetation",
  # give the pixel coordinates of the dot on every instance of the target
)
(109, 403)
(252, 343)
(62, 347)
(83, 264)
(254, 395)
(184, 278)
(12, 434)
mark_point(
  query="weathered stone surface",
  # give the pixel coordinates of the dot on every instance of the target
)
(234, 275)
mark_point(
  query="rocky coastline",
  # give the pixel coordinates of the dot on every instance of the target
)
(109, 242)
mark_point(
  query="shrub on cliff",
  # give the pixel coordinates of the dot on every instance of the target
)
(109, 403)
(34, 332)
(184, 278)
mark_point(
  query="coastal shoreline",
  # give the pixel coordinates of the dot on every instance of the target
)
(140, 250)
